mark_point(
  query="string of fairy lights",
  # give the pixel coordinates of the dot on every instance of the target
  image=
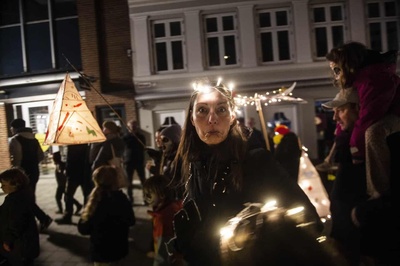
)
(280, 95)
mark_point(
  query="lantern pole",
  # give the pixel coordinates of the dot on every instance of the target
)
(263, 126)
(105, 100)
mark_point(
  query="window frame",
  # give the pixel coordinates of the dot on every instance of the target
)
(274, 29)
(168, 39)
(328, 25)
(382, 20)
(220, 34)
(29, 63)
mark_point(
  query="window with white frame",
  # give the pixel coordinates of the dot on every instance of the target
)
(274, 27)
(168, 45)
(383, 25)
(328, 27)
(221, 40)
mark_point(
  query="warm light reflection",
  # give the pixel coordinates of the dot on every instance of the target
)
(294, 211)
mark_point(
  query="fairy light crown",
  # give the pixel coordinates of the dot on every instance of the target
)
(282, 94)
(204, 85)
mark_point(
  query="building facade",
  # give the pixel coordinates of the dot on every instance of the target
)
(42, 40)
(142, 56)
(259, 45)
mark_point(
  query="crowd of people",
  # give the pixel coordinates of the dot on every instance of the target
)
(216, 170)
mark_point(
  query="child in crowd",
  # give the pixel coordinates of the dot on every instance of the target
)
(61, 179)
(106, 218)
(19, 236)
(161, 197)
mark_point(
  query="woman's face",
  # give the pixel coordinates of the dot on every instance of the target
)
(212, 117)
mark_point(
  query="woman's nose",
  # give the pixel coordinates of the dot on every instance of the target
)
(213, 118)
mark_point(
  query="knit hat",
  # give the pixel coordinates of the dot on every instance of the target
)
(173, 133)
(18, 123)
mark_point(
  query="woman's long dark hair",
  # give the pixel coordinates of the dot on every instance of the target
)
(191, 146)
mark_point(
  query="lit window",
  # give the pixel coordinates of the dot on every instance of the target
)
(328, 27)
(221, 40)
(168, 41)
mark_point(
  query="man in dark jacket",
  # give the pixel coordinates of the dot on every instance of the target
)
(349, 188)
(26, 153)
(135, 144)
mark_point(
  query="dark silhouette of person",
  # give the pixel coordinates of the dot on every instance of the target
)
(135, 143)
(26, 153)
(78, 173)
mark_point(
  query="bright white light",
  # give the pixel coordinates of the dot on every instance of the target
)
(219, 81)
(269, 206)
(294, 211)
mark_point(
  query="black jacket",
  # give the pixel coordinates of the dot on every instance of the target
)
(18, 226)
(108, 227)
(218, 201)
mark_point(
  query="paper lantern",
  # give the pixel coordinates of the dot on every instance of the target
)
(71, 121)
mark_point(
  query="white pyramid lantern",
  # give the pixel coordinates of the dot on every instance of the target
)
(71, 122)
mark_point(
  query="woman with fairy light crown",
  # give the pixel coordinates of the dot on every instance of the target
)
(220, 174)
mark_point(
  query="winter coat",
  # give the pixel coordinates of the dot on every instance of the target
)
(163, 230)
(104, 152)
(25, 152)
(349, 189)
(134, 150)
(18, 226)
(218, 200)
(378, 89)
(108, 227)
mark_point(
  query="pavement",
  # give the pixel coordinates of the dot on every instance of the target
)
(62, 245)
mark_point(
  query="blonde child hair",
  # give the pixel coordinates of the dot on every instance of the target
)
(105, 179)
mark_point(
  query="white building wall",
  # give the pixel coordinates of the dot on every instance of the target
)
(170, 91)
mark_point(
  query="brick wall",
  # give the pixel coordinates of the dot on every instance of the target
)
(105, 38)
(4, 154)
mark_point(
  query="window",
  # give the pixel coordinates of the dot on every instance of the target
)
(275, 35)
(168, 38)
(383, 30)
(35, 34)
(221, 40)
(328, 27)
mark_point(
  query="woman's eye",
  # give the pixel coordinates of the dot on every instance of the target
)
(201, 110)
(221, 109)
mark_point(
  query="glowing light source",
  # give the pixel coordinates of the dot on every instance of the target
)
(71, 121)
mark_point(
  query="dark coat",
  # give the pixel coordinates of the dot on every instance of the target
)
(108, 227)
(77, 164)
(218, 201)
(18, 226)
(104, 152)
(288, 153)
(134, 150)
(349, 190)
